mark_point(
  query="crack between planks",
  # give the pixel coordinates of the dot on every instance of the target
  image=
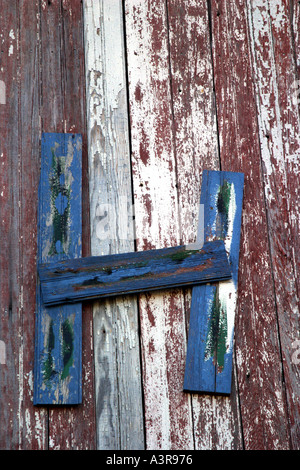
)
(87, 195)
(173, 117)
(63, 65)
(129, 118)
(210, 27)
(20, 247)
(40, 35)
(209, 14)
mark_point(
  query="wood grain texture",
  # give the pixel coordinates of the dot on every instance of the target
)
(82, 434)
(23, 427)
(168, 418)
(35, 421)
(114, 275)
(261, 390)
(193, 103)
(11, 434)
(279, 131)
(175, 89)
(216, 421)
(211, 331)
(116, 342)
(58, 333)
(62, 76)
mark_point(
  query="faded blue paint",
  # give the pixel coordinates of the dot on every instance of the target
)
(57, 369)
(95, 277)
(203, 371)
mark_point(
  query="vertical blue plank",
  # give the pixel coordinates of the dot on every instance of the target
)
(210, 342)
(197, 371)
(58, 334)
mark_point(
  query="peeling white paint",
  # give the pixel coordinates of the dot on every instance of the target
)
(156, 378)
(110, 195)
(270, 127)
(167, 411)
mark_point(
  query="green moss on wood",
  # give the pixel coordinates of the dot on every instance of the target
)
(217, 333)
(181, 255)
(223, 203)
(49, 366)
(58, 187)
(67, 347)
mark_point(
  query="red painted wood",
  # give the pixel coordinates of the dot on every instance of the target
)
(168, 419)
(196, 149)
(36, 85)
(194, 113)
(75, 121)
(39, 41)
(261, 391)
(274, 61)
(34, 422)
(9, 231)
(63, 110)
(23, 427)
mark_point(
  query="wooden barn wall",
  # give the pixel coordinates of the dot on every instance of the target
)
(159, 90)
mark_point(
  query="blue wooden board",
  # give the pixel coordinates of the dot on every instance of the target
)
(127, 273)
(210, 341)
(58, 333)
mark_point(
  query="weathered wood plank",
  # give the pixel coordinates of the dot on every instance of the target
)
(63, 78)
(11, 406)
(58, 330)
(195, 124)
(119, 405)
(261, 391)
(34, 421)
(216, 420)
(210, 343)
(279, 131)
(130, 273)
(23, 427)
(168, 416)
